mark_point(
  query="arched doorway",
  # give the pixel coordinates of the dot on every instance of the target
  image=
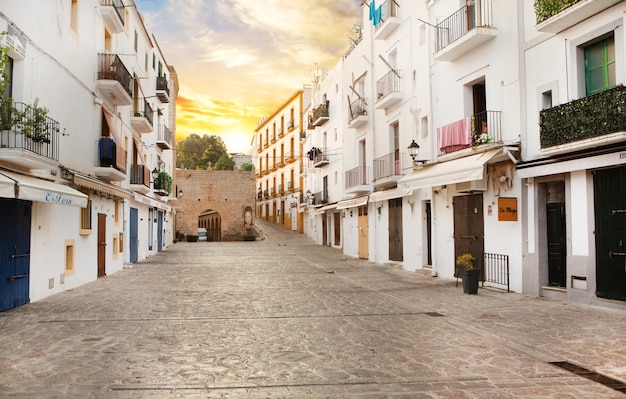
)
(211, 220)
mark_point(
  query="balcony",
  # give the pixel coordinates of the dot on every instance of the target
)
(319, 115)
(570, 13)
(290, 186)
(112, 157)
(114, 80)
(465, 30)
(28, 138)
(389, 20)
(291, 125)
(163, 184)
(289, 157)
(141, 119)
(357, 181)
(317, 157)
(164, 141)
(140, 179)
(388, 169)
(162, 89)
(388, 90)
(591, 117)
(357, 113)
(478, 129)
(113, 15)
(281, 132)
(259, 195)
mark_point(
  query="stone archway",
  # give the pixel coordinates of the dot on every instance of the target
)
(211, 220)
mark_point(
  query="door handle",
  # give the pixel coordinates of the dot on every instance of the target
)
(17, 277)
(612, 254)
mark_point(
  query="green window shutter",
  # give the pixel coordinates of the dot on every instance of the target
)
(600, 66)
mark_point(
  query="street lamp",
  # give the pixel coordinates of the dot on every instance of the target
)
(414, 150)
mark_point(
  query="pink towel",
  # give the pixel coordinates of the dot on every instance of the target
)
(458, 133)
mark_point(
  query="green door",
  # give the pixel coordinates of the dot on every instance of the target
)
(610, 217)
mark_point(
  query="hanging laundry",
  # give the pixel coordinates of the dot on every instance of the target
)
(372, 9)
(378, 16)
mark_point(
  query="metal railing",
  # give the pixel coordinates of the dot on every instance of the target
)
(111, 67)
(388, 165)
(457, 25)
(388, 9)
(165, 134)
(145, 110)
(161, 85)
(485, 127)
(112, 154)
(388, 84)
(118, 5)
(139, 174)
(356, 177)
(357, 108)
(24, 126)
(496, 269)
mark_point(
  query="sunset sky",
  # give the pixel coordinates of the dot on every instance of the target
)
(238, 60)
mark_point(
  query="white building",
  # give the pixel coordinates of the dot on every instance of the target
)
(70, 176)
(573, 70)
(518, 113)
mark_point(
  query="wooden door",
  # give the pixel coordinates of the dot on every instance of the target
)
(134, 235)
(102, 244)
(469, 236)
(363, 233)
(15, 220)
(396, 252)
(337, 227)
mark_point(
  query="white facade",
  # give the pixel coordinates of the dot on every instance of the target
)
(575, 255)
(74, 202)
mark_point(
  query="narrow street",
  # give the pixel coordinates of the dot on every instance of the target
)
(284, 318)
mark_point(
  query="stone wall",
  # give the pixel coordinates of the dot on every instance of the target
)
(229, 193)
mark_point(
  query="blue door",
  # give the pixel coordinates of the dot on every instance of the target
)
(15, 217)
(133, 243)
(160, 231)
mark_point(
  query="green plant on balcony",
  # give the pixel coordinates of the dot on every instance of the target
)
(163, 183)
(32, 123)
(545, 9)
(6, 103)
(320, 111)
(592, 116)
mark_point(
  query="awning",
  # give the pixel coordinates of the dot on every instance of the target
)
(83, 180)
(152, 202)
(390, 194)
(325, 208)
(40, 190)
(352, 202)
(449, 172)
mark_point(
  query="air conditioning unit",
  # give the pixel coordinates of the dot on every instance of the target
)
(473, 185)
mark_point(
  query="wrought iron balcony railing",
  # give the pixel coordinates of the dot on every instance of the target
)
(387, 84)
(388, 165)
(139, 174)
(112, 154)
(24, 126)
(474, 15)
(356, 177)
(481, 128)
(111, 67)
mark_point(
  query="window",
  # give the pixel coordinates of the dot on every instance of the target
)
(600, 65)
(136, 45)
(115, 246)
(85, 218)
(150, 228)
(146, 62)
(116, 216)
(546, 99)
(69, 257)
(9, 87)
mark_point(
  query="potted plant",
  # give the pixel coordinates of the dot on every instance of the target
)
(32, 123)
(468, 273)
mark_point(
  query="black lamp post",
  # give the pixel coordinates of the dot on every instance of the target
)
(414, 150)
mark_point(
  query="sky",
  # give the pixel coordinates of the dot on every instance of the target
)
(239, 60)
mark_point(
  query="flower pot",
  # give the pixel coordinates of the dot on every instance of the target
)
(470, 281)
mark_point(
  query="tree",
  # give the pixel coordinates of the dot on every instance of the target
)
(246, 166)
(198, 152)
(225, 163)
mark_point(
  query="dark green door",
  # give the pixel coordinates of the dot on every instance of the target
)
(610, 217)
(469, 228)
(557, 271)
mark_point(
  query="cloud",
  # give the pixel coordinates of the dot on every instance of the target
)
(237, 60)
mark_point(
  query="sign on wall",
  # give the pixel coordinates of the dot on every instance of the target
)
(507, 209)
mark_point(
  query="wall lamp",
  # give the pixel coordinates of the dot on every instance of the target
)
(414, 150)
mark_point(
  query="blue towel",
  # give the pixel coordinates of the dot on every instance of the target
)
(372, 9)
(378, 16)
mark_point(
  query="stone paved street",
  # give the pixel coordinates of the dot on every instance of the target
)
(284, 318)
